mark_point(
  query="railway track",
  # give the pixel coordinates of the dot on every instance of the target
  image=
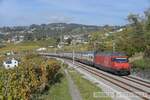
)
(141, 80)
(142, 89)
(138, 81)
(122, 82)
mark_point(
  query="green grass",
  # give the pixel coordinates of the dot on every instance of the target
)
(59, 91)
(86, 88)
(141, 64)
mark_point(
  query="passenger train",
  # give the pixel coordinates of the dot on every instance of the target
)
(113, 62)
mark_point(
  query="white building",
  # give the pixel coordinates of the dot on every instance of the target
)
(10, 53)
(41, 49)
(66, 37)
(11, 63)
(116, 31)
(51, 46)
(17, 39)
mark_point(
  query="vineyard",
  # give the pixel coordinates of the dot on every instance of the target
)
(33, 76)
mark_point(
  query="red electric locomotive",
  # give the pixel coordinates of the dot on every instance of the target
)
(114, 62)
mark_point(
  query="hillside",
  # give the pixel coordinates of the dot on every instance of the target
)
(53, 29)
(38, 32)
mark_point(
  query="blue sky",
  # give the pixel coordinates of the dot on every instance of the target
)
(92, 12)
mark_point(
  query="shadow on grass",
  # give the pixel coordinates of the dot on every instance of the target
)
(56, 79)
(44, 88)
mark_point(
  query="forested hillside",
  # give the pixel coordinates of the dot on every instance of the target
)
(134, 37)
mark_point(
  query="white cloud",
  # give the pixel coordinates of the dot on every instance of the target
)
(62, 19)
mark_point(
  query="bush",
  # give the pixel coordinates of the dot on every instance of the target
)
(147, 52)
(32, 76)
(142, 64)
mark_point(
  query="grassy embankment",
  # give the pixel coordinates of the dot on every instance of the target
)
(59, 91)
(85, 87)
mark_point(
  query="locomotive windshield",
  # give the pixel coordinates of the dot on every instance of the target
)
(120, 59)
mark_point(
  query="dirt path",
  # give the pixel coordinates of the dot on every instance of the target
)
(74, 92)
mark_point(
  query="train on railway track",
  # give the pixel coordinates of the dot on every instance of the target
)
(113, 62)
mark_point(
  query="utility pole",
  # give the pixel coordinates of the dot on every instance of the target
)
(61, 37)
(114, 46)
(73, 52)
(73, 56)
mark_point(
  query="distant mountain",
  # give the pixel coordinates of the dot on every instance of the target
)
(63, 28)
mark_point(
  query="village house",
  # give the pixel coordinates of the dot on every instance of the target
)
(10, 63)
